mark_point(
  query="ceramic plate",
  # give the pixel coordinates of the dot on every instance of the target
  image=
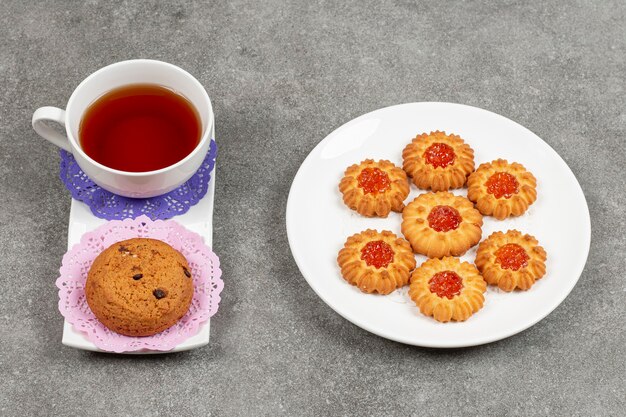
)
(318, 222)
(198, 219)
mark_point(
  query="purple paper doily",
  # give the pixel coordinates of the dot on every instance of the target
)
(106, 205)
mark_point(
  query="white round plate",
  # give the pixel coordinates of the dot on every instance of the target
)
(318, 222)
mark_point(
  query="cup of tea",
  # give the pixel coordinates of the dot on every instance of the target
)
(137, 128)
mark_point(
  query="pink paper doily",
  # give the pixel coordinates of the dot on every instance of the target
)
(204, 264)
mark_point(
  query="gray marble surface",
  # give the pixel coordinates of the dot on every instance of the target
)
(282, 75)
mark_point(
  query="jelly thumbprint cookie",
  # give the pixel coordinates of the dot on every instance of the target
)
(511, 260)
(447, 289)
(438, 161)
(441, 224)
(501, 189)
(374, 188)
(376, 262)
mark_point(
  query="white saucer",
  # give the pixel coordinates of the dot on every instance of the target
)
(198, 219)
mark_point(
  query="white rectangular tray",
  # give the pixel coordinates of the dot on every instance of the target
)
(198, 219)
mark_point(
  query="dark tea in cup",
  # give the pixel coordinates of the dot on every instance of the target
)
(140, 128)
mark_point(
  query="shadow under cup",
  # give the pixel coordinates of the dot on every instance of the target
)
(150, 183)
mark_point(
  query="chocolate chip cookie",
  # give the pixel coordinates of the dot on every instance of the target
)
(139, 287)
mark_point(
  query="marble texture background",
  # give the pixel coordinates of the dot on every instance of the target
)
(282, 75)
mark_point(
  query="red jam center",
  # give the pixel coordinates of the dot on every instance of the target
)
(502, 184)
(373, 180)
(439, 155)
(377, 254)
(512, 256)
(446, 284)
(444, 218)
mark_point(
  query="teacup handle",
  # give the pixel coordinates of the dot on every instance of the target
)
(51, 114)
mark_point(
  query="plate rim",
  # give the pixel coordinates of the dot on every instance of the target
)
(580, 267)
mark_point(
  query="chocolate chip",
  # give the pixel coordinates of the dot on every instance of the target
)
(122, 249)
(187, 272)
(137, 277)
(158, 293)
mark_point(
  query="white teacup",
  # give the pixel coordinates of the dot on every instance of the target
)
(137, 71)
